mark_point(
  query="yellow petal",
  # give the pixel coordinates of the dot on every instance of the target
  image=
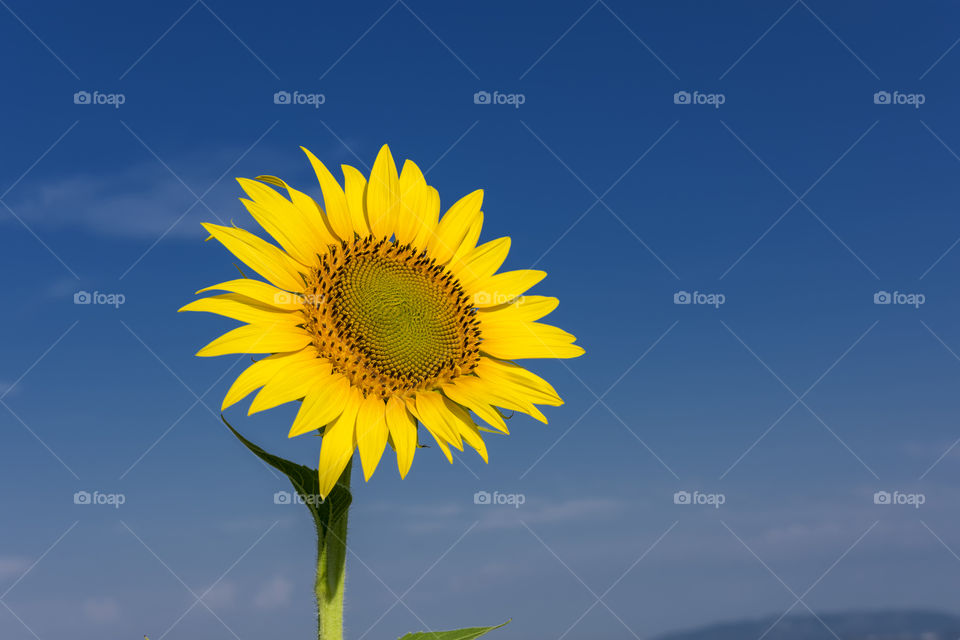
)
(260, 291)
(458, 417)
(312, 214)
(482, 262)
(334, 201)
(355, 185)
(258, 338)
(283, 220)
(469, 400)
(403, 432)
(468, 244)
(371, 433)
(454, 226)
(481, 391)
(256, 375)
(383, 195)
(244, 309)
(339, 441)
(292, 383)
(441, 442)
(322, 404)
(415, 200)
(430, 218)
(518, 340)
(503, 287)
(523, 309)
(261, 256)
(435, 418)
(517, 380)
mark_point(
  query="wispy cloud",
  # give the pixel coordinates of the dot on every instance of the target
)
(551, 512)
(223, 595)
(13, 566)
(273, 594)
(101, 609)
(139, 202)
(446, 516)
(145, 201)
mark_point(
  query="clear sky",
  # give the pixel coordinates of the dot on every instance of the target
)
(792, 161)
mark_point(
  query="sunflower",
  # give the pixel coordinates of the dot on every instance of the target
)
(380, 316)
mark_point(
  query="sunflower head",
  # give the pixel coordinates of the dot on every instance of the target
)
(391, 318)
(381, 317)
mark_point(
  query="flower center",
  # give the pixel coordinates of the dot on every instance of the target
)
(389, 318)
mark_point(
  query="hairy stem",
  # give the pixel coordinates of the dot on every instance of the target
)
(331, 564)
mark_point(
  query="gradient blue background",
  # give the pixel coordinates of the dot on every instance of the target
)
(669, 397)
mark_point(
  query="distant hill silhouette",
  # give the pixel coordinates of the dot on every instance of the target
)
(859, 625)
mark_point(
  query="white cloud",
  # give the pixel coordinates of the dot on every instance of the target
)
(13, 566)
(273, 594)
(101, 609)
(144, 200)
(499, 516)
(135, 203)
(441, 517)
(223, 595)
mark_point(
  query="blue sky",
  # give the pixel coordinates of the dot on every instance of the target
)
(798, 199)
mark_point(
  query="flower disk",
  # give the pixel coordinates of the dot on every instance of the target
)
(390, 319)
(386, 322)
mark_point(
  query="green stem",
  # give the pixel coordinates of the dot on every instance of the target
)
(331, 564)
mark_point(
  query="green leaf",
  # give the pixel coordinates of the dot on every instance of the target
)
(306, 481)
(457, 634)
